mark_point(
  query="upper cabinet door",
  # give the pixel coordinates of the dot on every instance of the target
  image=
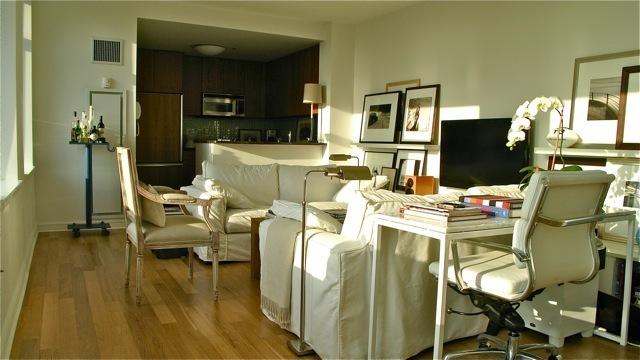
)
(167, 74)
(212, 75)
(192, 85)
(159, 71)
(144, 70)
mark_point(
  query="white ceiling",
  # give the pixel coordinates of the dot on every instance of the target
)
(248, 45)
(240, 44)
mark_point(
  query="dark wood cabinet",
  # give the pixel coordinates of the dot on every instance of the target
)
(159, 71)
(192, 85)
(285, 79)
(212, 75)
(159, 128)
(254, 89)
(188, 166)
(171, 175)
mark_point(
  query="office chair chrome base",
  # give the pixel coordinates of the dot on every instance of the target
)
(510, 349)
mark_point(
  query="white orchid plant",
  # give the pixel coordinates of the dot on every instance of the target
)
(522, 122)
(527, 112)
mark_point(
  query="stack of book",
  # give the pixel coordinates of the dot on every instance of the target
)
(445, 212)
(494, 205)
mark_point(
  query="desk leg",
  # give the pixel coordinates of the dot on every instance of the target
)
(628, 272)
(441, 311)
(377, 234)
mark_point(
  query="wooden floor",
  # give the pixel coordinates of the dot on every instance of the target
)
(76, 306)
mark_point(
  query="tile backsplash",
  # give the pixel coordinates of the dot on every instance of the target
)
(213, 128)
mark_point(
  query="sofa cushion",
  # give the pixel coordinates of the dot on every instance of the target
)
(319, 187)
(239, 220)
(235, 199)
(258, 182)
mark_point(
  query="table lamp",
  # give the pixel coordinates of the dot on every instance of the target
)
(312, 95)
(299, 346)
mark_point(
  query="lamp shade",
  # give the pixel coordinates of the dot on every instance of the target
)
(209, 49)
(312, 94)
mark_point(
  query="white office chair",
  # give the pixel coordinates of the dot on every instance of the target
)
(553, 243)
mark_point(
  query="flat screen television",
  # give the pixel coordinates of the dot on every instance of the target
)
(473, 153)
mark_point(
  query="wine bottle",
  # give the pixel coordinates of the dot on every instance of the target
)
(93, 135)
(101, 130)
(73, 127)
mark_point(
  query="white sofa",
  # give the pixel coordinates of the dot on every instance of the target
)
(337, 290)
(259, 186)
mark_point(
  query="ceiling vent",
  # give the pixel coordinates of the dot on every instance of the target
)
(107, 51)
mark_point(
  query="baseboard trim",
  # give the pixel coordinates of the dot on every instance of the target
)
(116, 223)
(15, 308)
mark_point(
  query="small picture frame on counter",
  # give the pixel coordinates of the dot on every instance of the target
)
(303, 130)
(250, 135)
(272, 135)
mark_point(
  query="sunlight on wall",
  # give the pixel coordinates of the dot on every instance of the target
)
(27, 118)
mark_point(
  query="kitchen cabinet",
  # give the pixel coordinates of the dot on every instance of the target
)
(254, 89)
(192, 85)
(159, 71)
(159, 128)
(168, 175)
(285, 79)
(212, 75)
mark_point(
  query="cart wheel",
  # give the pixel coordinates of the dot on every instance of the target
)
(76, 232)
(104, 232)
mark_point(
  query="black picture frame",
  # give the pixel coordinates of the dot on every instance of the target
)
(402, 172)
(250, 135)
(303, 130)
(375, 160)
(380, 115)
(423, 101)
(271, 135)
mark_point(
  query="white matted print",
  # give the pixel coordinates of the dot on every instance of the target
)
(421, 108)
(624, 193)
(376, 160)
(409, 162)
(628, 136)
(402, 85)
(379, 117)
(596, 95)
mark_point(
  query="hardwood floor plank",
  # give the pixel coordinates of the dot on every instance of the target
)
(76, 306)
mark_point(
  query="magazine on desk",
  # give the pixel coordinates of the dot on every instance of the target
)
(446, 212)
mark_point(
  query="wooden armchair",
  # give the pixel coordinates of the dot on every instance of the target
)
(180, 231)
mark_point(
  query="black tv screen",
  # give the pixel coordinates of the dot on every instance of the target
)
(473, 153)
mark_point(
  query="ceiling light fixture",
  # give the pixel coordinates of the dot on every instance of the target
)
(209, 49)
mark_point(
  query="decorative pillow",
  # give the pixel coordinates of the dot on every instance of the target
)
(345, 194)
(235, 199)
(315, 218)
(152, 212)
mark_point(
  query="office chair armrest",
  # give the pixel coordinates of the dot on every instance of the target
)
(569, 222)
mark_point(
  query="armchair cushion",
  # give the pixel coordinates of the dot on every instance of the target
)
(492, 272)
(177, 229)
(152, 212)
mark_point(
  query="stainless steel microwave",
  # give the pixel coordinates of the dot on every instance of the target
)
(222, 105)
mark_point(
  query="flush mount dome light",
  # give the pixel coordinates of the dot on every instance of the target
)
(209, 49)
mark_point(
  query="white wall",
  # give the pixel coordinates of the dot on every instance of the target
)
(63, 75)
(489, 57)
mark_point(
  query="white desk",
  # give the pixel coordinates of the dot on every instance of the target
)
(438, 231)
(490, 227)
(614, 215)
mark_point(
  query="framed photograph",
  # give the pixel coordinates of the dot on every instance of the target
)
(250, 135)
(421, 109)
(303, 130)
(390, 173)
(408, 163)
(401, 85)
(624, 193)
(628, 134)
(596, 95)
(376, 160)
(379, 117)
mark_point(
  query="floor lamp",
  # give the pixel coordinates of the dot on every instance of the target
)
(299, 345)
(312, 95)
(345, 157)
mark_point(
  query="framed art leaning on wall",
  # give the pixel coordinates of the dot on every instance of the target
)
(421, 108)
(380, 117)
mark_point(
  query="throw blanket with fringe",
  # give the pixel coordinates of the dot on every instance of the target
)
(275, 269)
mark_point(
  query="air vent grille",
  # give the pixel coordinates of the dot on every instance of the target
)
(107, 51)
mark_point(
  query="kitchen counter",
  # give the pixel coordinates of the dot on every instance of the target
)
(258, 153)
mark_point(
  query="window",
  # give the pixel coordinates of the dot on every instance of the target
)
(27, 119)
(8, 117)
